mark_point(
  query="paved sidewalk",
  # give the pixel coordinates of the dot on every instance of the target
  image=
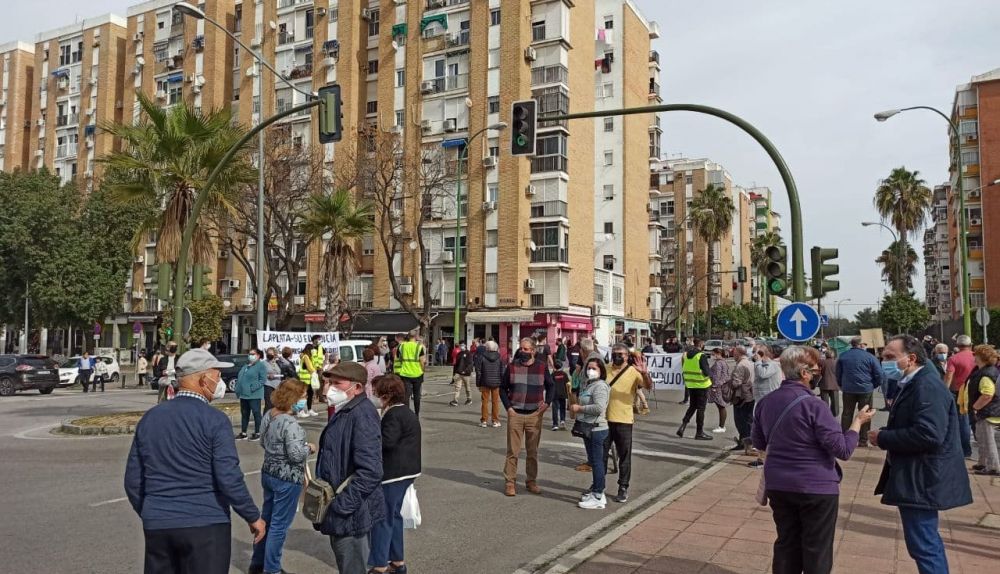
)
(716, 527)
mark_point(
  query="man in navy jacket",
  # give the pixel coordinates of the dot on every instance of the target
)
(858, 375)
(183, 474)
(924, 470)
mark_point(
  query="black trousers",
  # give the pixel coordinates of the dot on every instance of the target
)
(806, 524)
(267, 398)
(743, 415)
(620, 435)
(832, 398)
(699, 399)
(412, 387)
(854, 401)
(201, 550)
(84, 377)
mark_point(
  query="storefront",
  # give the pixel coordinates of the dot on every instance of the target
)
(503, 326)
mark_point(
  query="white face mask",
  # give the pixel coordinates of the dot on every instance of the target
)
(220, 390)
(337, 398)
(593, 374)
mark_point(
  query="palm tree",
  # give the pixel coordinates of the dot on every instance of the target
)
(164, 160)
(899, 273)
(758, 258)
(712, 216)
(903, 199)
(339, 221)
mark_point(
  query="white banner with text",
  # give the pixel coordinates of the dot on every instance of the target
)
(296, 341)
(666, 370)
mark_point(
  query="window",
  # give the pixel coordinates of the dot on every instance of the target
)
(969, 157)
(491, 281)
(372, 66)
(609, 227)
(546, 239)
(492, 238)
(373, 26)
(400, 78)
(538, 31)
(439, 68)
(494, 58)
(609, 22)
(371, 107)
(300, 287)
(609, 263)
(537, 299)
(495, 151)
(609, 124)
(368, 245)
(495, 17)
(598, 293)
(400, 117)
(550, 153)
(310, 23)
(609, 158)
(449, 247)
(493, 105)
(492, 192)
(616, 295)
(64, 54)
(670, 207)
(688, 179)
(609, 192)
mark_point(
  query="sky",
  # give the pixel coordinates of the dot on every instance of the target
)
(809, 75)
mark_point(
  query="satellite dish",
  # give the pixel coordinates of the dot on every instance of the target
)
(532, 246)
(272, 25)
(251, 72)
(227, 303)
(468, 102)
(139, 61)
(413, 245)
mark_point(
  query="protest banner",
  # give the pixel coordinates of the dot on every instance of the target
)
(665, 370)
(297, 340)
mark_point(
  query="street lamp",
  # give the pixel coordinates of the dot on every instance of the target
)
(463, 159)
(837, 307)
(895, 239)
(962, 223)
(187, 9)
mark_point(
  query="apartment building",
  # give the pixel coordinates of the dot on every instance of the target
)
(976, 111)
(939, 293)
(743, 232)
(17, 68)
(77, 86)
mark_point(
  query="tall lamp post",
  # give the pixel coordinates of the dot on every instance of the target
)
(895, 239)
(463, 160)
(190, 10)
(837, 307)
(963, 228)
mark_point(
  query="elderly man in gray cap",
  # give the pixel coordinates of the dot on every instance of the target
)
(183, 475)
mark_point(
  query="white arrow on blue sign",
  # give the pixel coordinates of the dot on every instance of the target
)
(798, 322)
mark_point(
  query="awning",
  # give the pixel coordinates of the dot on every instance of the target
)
(455, 142)
(399, 30)
(428, 20)
(61, 73)
(509, 316)
(89, 130)
(175, 78)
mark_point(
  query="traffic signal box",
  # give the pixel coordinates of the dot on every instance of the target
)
(821, 285)
(524, 124)
(330, 116)
(776, 270)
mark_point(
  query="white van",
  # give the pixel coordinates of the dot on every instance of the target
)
(352, 349)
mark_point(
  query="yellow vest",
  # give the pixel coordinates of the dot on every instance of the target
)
(316, 357)
(305, 375)
(693, 377)
(408, 360)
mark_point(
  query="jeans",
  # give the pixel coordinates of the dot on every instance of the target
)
(965, 435)
(412, 387)
(248, 407)
(84, 377)
(620, 434)
(923, 541)
(852, 401)
(351, 553)
(743, 417)
(491, 401)
(595, 458)
(831, 398)
(558, 411)
(387, 534)
(461, 381)
(198, 550)
(986, 441)
(280, 500)
(699, 399)
(268, 405)
(523, 431)
(805, 524)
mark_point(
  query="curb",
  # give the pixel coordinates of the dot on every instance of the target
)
(581, 547)
(67, 427)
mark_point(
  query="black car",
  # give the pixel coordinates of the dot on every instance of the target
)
(26, 372)
(229, 375)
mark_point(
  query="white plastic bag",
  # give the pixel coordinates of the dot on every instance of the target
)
(314, 381)
(411, 509)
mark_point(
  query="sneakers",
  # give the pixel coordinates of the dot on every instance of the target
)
(598, 502)
(254, 437)
(303, 414)
(622, 497)
(313, 413)
(468, 401)
(586, 494)
(702, 436)
(453, 404)
(719, 430)
(562, 425)
(483, 424)
(496, 424)
(241, 436)
(555, 427)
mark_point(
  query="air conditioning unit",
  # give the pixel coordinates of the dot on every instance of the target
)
(93, 81)
(90, 144)
(450, 124)
(195, 89)
(39, 153)
(366, 14)
(41, 122)
(3, 102)
(300, 300)
(321, 11)
(975, 221)
(530, 54)
(428, 87)
(147, 280)
(161, 95)
(137, 37)
(447, 257)
(530, 191)
(529, 284)
(255, 42)
(234, 283)
(406, 289)
(490, 162)
(489, 206)
(246, 302)
(62, 84)
(396, 213)
(397, 129)
(140, 260)
(172, 64)
(975, 193)
(425, 125)
(223, 254)
(322, 301)
(90, 111)
(329, 62)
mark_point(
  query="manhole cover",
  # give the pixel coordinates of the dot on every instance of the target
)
(991, 521)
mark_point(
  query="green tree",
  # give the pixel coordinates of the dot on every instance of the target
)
(903, 199)
(339, 221)
(867, 318)
(164, 160)
(902, 313)
(712, 216)
(898, 271)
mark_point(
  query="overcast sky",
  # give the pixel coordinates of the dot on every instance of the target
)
(808, 74)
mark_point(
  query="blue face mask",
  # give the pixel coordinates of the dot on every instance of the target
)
(299, 406)
(942, 357)
(891, 370)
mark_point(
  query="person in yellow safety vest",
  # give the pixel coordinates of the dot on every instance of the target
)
(305, 372)
(411, 359)
(697, 382)
(318, 354)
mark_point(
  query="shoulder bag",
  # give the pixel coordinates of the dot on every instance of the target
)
(582, 429)
(761, 496)
(318, 495)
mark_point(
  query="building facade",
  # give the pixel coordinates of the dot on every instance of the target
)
(17, 68)
(939, 292)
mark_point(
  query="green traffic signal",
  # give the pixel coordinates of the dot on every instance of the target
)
(776, 270)
(524, 122)
(821, 270)
(330, 116)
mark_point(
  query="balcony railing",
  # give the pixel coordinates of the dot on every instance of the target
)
(285, 37)
(550, 254)
(303, 71)
(290, 3)
(654, 89)
(554, 74)
(65, 150)
(360, 301)
(67, 120)
(549, 163)
(435, 4)
(549, 209)
(654, 56)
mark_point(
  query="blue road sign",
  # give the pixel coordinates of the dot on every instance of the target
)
(824, 320)
(798, 322)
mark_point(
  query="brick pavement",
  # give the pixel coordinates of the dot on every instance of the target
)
(716, 527)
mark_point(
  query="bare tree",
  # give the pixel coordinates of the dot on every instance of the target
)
(293, 173)
(405, 192)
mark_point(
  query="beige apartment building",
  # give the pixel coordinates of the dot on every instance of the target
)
(17, 69)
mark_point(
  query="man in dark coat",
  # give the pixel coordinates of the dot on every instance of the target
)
(924, 470)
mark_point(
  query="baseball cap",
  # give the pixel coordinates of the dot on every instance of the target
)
(349, 371)
(198, 360)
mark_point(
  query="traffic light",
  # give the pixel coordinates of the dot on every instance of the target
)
(329, 114)
(741, 274)
(776, 270)
(524, 121)
(820, 271)
(202, 277)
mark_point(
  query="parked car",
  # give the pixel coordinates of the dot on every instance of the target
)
(229, 375)
(26, 372)
(352, 349)
(70, 370)
(713, 344)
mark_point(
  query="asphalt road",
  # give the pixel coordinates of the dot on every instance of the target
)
(64, 508)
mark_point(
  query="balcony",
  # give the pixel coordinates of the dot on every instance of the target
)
(654, 57)
(285, 37)
(555, 74)
(446, 84)
(363, 301)
(282, 4)
(549, 163)
(549, 209)
(65, 151)
(67, 120)
(435, 4)
(975, 253)
(302, 71)
(550, 254)
(654, 89)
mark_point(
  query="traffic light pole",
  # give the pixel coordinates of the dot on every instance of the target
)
(798, 258)
(180, 270)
